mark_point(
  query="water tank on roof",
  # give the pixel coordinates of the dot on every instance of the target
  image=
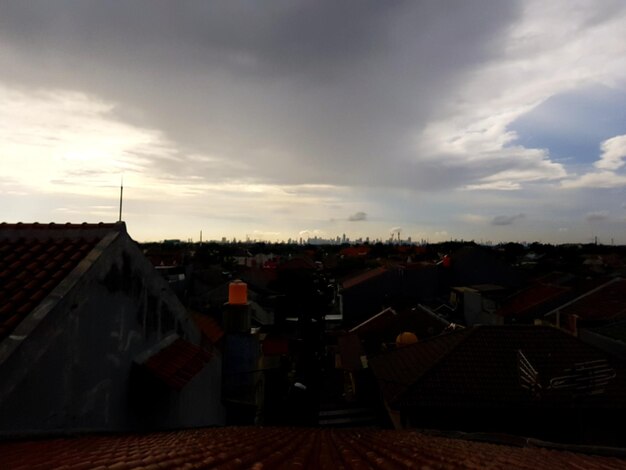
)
(237, 293)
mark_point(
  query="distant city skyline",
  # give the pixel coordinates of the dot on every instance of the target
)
(482, 120)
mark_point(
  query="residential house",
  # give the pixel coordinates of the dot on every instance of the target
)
(93, 339)
(600, 306)
(475, 265)
(366, 293)
(379, 332)
(477, 304)
(528, 380)
(530, 303)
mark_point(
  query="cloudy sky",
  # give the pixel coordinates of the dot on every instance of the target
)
(482, 119)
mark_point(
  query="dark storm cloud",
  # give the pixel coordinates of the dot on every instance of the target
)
(598, 216)
(357, 216)
(290, 91)
(506, 219)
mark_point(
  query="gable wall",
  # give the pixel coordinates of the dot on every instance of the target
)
(72, 372)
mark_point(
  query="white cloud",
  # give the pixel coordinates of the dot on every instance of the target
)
(473, 218)
(551, 49)
(68, 142)
(600, 179)
(613, 153)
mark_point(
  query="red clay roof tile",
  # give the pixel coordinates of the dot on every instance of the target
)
(607, 302)
(524, 302)
(209, 327)
(37, 257)
(177, 363)
(363, 277)
(297, 448)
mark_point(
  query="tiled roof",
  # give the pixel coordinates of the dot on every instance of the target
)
(177, 363)
(375, 322)
(524, 302)
(607, 302)
(287, 448)
(297, 263)
(209, 327)
(481, 369)
(363, 277)
(354, 251)
(34, 259)
(387, 324)
(397, 370)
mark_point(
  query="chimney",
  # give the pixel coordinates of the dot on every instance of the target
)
(237, 310)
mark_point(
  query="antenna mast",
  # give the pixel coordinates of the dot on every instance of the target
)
(121, 197)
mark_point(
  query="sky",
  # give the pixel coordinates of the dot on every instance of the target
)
(452, 119)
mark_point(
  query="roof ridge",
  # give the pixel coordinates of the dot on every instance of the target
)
(586, 294)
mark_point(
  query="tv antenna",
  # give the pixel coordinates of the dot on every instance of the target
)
(121, 197)
(582, 379)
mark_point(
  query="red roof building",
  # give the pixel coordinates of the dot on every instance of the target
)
(518, 379)
(606, 303)
(527, 303)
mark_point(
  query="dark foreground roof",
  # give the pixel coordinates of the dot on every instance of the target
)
(294, 448)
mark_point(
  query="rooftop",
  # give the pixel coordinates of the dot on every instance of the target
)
(35, 258)
(297, 448)
(479, 366)
(607, 302)
(527, 300)
(360, 278)
(177, 362)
